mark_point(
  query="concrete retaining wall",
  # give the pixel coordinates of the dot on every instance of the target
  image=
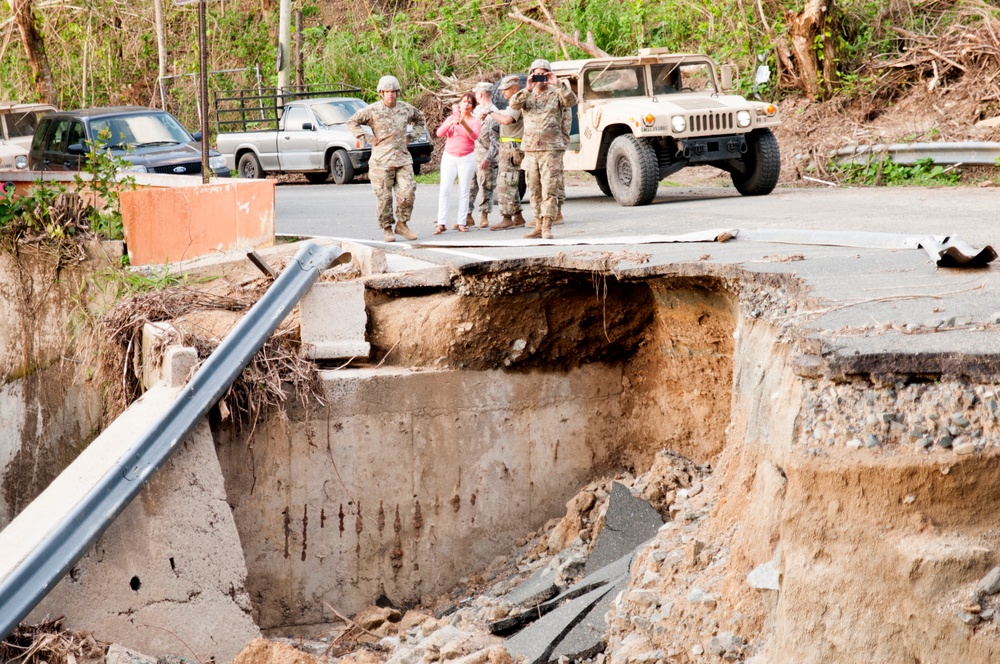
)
(167, 576)
(409, 480)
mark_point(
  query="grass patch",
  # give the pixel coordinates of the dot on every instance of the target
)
(885, 172)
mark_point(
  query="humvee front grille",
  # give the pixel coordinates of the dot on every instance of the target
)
(711, 122)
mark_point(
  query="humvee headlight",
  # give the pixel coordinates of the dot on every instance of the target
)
(649, 119)
(678, 123)
(743, 118)
(20, 162)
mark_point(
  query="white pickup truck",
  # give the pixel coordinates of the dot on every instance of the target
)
(305, 136)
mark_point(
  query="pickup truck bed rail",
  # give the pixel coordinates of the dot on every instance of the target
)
(259, 109)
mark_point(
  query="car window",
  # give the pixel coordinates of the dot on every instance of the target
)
(60, 132)
(337, 112)
(76, 134)
(141, 129)
(295, 117)
(618, 82)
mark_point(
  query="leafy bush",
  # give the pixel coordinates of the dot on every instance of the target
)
(886, 172)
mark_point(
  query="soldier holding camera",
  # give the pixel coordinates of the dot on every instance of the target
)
(542, 103)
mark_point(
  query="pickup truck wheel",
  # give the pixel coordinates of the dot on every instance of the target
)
(249, 167)
(762, 164)
(316, 178)
(602, 182)
(633, 172)
(341, 167)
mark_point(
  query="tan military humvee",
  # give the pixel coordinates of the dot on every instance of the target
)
(640, 118)
(17, 127)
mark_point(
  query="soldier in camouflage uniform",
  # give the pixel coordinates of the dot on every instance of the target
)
(390, 166)
(544, 144)
(486, 152)
(511, 132)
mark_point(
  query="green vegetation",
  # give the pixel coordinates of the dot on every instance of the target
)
(884, 171)
(50, 211)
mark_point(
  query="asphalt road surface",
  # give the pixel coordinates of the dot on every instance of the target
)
(972, 214)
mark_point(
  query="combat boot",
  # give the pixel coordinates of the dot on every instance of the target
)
(404, 230)
(559, 218)
(546, 228)
(504, 224)
(536, 231)
(518, 219)
(389, 237)
(484, 221)
(469, 221)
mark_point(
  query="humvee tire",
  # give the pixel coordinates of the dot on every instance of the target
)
(633, 171)
(602, 182)
(763, 164)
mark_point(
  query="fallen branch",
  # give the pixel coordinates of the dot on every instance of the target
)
(556, 31)
(502, 40)
(589, 49)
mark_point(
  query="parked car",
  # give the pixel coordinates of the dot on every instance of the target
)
(309, 138)
(17, 127)
(153, 141)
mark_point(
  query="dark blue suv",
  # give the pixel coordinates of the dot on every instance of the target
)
(152, 141)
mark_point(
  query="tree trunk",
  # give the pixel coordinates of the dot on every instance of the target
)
(34, 49)
(161, 52)
(813, 48)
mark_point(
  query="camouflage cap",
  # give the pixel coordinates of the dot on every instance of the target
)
(509, 82)
(483, 87)
(540, 63)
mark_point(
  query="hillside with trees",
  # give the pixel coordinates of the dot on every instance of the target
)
(844, 71)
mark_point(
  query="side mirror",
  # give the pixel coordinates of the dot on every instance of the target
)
(728, 73)
(196, 136)
(308, 126)
(76, 148)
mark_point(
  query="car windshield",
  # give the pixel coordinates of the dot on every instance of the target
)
(337, 112)
(141, 129)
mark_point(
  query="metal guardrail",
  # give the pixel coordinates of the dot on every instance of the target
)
(259, 109)
(84, 522)
(972, 152)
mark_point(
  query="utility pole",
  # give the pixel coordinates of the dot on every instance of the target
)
(284, 44)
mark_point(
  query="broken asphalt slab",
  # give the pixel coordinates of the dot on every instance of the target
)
(629, 522)
(589, 636)
(537, 642)
(599, 579)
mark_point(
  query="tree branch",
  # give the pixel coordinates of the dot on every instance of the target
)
(558, 34)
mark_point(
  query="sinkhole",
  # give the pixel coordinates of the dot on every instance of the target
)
(481, 411)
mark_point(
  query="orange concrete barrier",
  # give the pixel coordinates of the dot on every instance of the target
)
(171, 218)
(168, 225)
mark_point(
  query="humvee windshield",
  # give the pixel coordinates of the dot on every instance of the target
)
(609, 82)
(671, 77)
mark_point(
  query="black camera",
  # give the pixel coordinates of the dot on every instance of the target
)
(539, 78)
